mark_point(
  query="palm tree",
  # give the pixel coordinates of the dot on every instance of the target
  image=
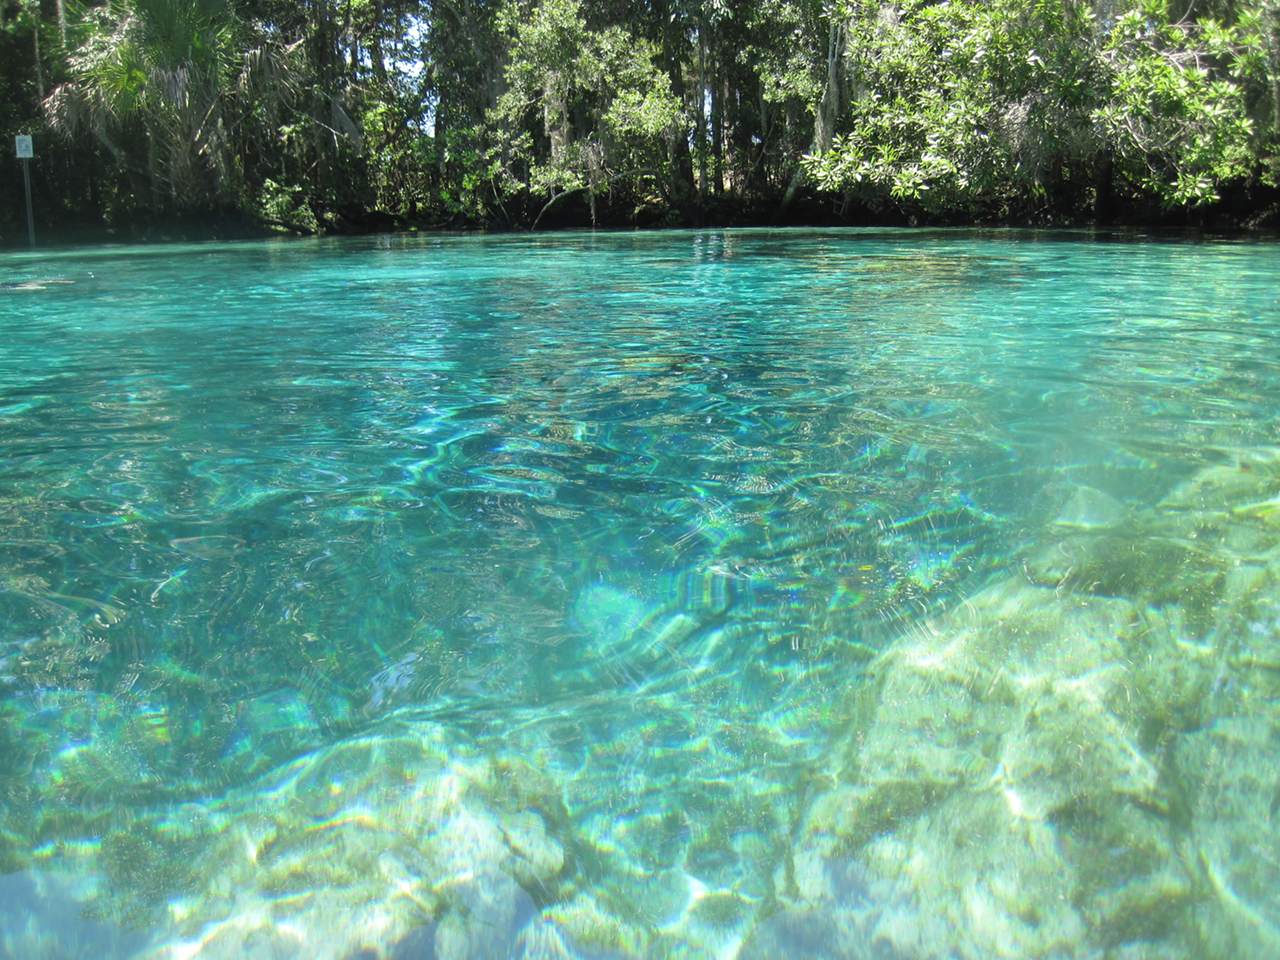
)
(155, 83)
(181, 92)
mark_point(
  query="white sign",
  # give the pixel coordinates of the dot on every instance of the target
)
(25, 149)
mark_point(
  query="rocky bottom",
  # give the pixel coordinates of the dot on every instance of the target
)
(1078, 761)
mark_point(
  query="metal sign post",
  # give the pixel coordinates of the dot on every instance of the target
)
(23, 147)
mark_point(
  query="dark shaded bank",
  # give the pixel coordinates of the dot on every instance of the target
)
(1241, 208)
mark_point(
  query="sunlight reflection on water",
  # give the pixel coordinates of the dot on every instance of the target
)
(813, 594)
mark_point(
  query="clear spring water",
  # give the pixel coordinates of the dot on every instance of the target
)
(604, 528)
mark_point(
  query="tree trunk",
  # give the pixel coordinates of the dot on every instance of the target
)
(824, 121)
(701, 138)
(717, 136)
(793, 188)
(555, 117)
(35, 39)
(832, 94)
(678, 154)
(323, 54)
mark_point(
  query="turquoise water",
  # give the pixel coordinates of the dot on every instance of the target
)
(715, 594)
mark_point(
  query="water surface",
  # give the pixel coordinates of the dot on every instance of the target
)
(531, 596)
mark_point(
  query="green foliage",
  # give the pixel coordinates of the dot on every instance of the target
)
(488, 111)
(583, 107)
(1177, 118)
(285, 205)
(964, 106)
(151, 80)
(476, 194)
(784, 54)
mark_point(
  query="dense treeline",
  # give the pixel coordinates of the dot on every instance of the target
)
(344, 114)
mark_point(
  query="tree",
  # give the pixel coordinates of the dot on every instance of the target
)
(151, 81)
(968, 107)
(1174, 108)
(329, 115)
(585, 110)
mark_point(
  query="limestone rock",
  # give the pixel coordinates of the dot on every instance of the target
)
(1000, 777)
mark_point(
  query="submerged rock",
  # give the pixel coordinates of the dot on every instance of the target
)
(1001, 776)
(1089, 508)
(268, 728)
(840, 919)
(1080, 763)
(1232, 796)
(383, 845)
(1076, 763)
(1209, 549)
